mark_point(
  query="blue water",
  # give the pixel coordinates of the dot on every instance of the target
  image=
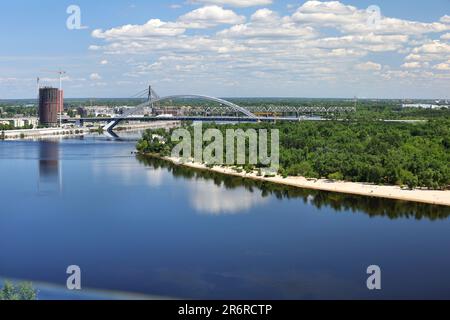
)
(142, 227)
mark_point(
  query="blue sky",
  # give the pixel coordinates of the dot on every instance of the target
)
(228, 48)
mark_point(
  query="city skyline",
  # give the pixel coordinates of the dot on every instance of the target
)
(230, 48)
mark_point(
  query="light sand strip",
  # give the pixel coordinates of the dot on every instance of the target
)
(437, 197)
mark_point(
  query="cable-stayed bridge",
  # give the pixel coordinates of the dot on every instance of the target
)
(216, 110)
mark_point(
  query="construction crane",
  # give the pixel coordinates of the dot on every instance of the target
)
(60, 73)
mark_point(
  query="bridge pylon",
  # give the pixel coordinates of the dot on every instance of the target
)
(152, 96)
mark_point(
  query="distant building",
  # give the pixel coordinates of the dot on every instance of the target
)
(168, 111)
(20, 122)
(51, 103)
(100, 111)
(82, 112)
(425, 106)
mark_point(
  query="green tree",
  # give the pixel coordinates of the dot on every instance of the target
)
(336, 176)
(364, 150)
(24, 291)
(409, 179)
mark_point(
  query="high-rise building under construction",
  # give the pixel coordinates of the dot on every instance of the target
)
(51, 103)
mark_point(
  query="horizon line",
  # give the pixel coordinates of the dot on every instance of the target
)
(242, 97)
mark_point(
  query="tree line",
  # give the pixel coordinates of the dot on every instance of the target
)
(413, 155)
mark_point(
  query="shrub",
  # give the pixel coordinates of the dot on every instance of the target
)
(23, 291)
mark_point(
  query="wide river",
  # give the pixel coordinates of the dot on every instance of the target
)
(143, 226)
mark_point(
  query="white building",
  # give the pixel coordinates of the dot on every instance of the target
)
(20, 122)
(425, 106)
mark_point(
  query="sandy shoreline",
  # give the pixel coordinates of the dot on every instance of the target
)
(436, 197)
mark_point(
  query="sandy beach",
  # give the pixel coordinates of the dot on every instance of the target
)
(365, 189)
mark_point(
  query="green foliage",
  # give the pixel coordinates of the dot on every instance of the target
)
(303, 169)
(6, 127)
(23, 291)
(413, 155)
(10, 111)
(155, 141)
(336, 176)
(409, 179)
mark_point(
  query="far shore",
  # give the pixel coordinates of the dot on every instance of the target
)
(436, 197)
(31, 134)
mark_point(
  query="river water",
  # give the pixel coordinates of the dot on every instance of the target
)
(147, 227)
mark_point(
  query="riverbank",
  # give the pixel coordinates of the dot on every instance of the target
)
(42, 133)
(73, 132)
(148, 125)
(436, 197)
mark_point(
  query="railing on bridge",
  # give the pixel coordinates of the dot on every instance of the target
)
(224, 108)
(280, 109)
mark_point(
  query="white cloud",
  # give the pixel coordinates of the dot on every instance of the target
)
(104, 62)
(95, 77)
(266, 23)
(268, 31)
(264, 16)
(296, 50)
(433, 51)
(235, 3)
(153, 27)
(445, 36)
(369, 66)
(442, 66)
(350, 19)
(329, 13)
(210, 16)
(445, 19)
(411, 65)
(434, 47)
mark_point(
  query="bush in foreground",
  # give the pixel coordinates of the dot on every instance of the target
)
(22, 291)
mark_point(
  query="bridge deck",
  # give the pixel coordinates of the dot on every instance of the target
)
(188, 118)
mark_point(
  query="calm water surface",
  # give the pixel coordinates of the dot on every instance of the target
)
(144, 226)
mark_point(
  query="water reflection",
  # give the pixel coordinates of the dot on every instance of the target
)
(50, 175)
(127, 174)
(206, 200)
(147, 222)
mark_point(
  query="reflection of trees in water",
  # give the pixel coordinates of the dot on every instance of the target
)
(372, 206)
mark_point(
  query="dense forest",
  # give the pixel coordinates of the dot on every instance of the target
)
(413, 155)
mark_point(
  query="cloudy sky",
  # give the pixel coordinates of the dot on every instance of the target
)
(228, 48)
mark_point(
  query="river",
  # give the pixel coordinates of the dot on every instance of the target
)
(144, 226)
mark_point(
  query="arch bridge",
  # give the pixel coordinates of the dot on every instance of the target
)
(240, 114)
(129, 115)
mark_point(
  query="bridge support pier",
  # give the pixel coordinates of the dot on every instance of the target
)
(111, 125)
